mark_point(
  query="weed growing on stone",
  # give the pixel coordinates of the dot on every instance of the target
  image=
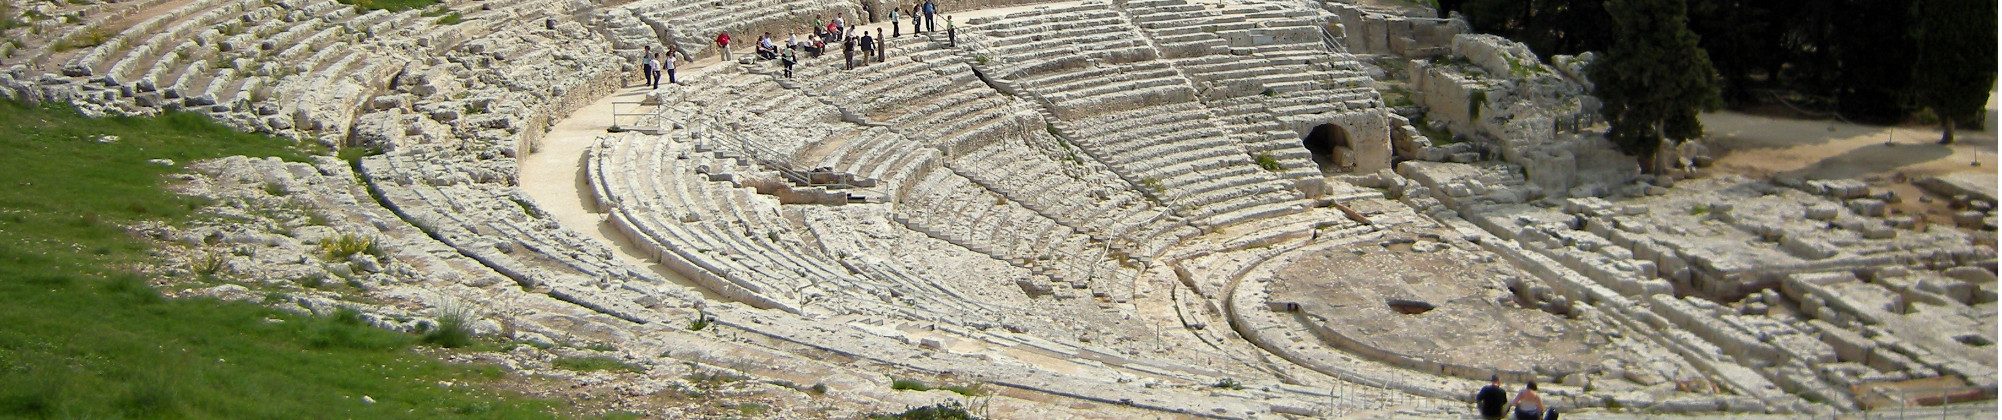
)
(1269, 163)
(348, 244)
(909, 385)
(594, 363)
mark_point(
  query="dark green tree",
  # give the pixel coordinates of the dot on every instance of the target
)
(1546, 26)
(1956, 59)
(1654, 79)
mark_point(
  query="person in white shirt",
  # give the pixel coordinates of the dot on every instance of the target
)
(669, 66)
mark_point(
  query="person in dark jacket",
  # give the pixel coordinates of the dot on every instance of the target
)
(1492, 399)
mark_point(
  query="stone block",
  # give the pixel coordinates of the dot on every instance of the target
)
(1808, 248)
(1868, 207)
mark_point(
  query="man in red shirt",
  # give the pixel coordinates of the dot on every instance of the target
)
(723, 45)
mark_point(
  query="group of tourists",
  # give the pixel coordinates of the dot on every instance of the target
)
(1493, 399)
(870, 47)
(652, 64)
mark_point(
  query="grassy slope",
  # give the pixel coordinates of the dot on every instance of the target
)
(81, 337)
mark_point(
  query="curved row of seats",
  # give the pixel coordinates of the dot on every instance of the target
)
(298, 68)
(490, 223)
(1139, 115)
(666, 195)
(1260, 64)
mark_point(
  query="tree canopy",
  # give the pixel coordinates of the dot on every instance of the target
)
(1956, 52)
(1654, 79)
(1860, 59)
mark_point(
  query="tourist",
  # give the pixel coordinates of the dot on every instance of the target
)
(915, 8)
(723, 44)
(1492, 398)
(868, 45)
(931, 25)
(1528, 406)
(896, 28)
(652, 64)
(646, 68)
(848, 53)
(766, 49)
(950, 38)
(816, 27)
(881, 44)
(788, 59)
(668, 65)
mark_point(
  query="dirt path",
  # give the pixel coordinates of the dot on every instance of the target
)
(554, 176)
(1886, 157)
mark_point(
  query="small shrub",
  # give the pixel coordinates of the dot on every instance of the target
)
(348, 245)
(752, 409)
(1699, 210)
(701, 322)
(817, 389)
(208, 264)
(276, 190)
(1265, 160)
(454, 328)
(1268, 92)
(451, 19)
(1475, 100)
(1227, 383)
(595, 363)
(601, 347)
(1152, 184)
(980, 59)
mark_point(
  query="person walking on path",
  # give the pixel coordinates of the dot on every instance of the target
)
(1492, 399)
(916, 13)
(1528, 406)
(882, 46)
(723, 45)
(950, 38)
(931, 9)
(788, 58)
(896, 28)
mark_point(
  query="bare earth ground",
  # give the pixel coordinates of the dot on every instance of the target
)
(1887, 157)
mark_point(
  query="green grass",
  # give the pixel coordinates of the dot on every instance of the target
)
(594, 363)
(451, 19)
(909, 385)
(390, 5)
(89, 38)
(85, 338)
(974, 390)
